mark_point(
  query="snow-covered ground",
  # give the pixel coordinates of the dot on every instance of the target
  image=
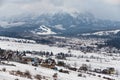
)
(32, 47)
(40, 70)
(2, 38)
(102, 62)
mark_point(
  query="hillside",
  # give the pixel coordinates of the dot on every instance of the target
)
(62, 23)
(74, 59)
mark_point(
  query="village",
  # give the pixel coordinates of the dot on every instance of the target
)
(84, 61)
(65, 63)
(59, 40)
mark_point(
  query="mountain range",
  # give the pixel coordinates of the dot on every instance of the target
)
(63, 24)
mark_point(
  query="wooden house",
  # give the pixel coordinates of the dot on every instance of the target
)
(48, 63)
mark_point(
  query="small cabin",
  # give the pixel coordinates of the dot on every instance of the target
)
(84, 67)
(48, 63)
(109, 70)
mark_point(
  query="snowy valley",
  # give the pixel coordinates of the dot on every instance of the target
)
(27, 60)
(59, 40)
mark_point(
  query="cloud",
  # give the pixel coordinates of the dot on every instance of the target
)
(7, 25)
(108, 9)
(113, 2)
(59, 27)
(1, 2)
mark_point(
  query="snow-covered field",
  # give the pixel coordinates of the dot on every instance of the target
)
(2, 38)
(102, 62)
(40, 70)
(32, 47)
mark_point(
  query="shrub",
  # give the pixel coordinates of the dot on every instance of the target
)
(79, 75)
(38, 77)
(27, 74)
(4, 69)
(19, 73)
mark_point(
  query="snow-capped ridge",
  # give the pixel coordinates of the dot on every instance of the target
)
(104, 33)
(43, 30)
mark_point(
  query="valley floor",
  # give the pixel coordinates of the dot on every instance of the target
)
(102, 62)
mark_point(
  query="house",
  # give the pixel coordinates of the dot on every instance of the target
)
(109, 70)
(48, 63)
(84, 68)
(97, 70)
(60, 56)
(30, 60)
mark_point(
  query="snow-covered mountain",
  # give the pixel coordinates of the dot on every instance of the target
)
(63, 24)
(43, 30)
(104, 33)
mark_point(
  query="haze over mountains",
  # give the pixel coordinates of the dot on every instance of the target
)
(104, 9)
(61, 23)
(60, 39)
(63, 17)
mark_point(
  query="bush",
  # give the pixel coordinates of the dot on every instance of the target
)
(38, 77)
(4, 69)
(19, 73)
(27, 74)
(79, 75)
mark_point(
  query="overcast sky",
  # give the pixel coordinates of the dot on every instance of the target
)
(109, 9)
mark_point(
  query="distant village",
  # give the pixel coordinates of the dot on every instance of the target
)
(53, 61)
